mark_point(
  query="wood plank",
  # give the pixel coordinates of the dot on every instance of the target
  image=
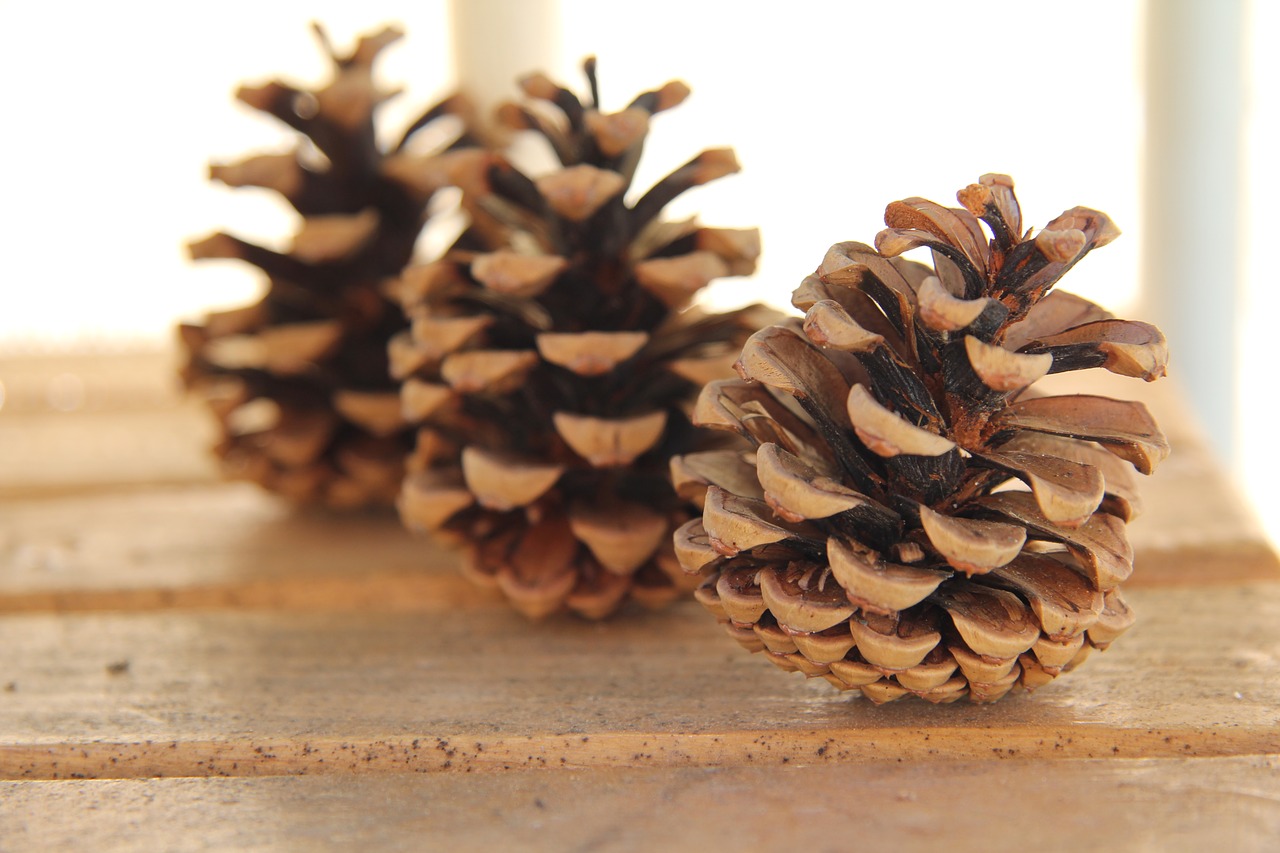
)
(459, 689)
(194, 543)
(134, 428)
(1195, 528)
(81, 382)
(663, 732)
(1121, 805)
(50, 455)
(232, 545)
(86, 422)
(223, 545)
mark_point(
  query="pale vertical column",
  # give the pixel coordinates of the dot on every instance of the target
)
(1193, 182)
(495, 41)
(1257, 460)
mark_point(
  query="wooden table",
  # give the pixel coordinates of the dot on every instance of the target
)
(190, 664)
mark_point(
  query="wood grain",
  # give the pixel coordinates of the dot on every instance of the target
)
(1068, 805)
(234, 693)
(115, 505)
(228, 544)
(218, 545)
(357, 691)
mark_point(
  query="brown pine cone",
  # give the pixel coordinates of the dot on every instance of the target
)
(298, 381)
(917, 518)
(552, 375)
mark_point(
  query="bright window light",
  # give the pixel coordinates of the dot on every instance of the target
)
(835, 109)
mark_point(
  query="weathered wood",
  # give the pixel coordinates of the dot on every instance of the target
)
(92, 451)
(233, 545)
(235, 693)
(106, 381)
(1121, 805)
(1194, 529)
(219, 545)
(130, 430)
(76, 423)
(256, 640)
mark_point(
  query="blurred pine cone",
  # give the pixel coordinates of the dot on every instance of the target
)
(553, 374)
(916, 517)
(298, 381)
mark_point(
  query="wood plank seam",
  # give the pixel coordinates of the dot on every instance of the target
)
(472, 753)
(468, 753)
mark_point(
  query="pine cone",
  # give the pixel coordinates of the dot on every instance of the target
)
(553, 374)
(916, 518)
(298, 381)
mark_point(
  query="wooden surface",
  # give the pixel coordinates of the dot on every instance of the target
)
(1226, 804)
(193, 665)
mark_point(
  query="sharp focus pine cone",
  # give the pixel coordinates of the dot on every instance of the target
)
(916, 518)
(554, 373)
(299, 380)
